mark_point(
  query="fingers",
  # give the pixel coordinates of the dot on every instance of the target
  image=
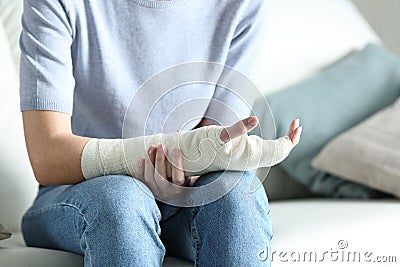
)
(296, 136)
(192, 180)
(293, 125)
(295, 131)
(240, 128)
(149, 167)
(139, 172)
(178, 175)
(160, 163)
(152, 171)
(154, 167)
(296, 123)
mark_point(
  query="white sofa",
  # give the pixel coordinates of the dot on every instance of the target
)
(302, 37)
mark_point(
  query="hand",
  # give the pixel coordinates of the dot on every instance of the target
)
(294, 132)
(152, 171)
(240, 128)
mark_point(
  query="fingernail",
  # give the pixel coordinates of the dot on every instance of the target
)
(161, 148)
(251, 121)
(175, 152)
(151, 150)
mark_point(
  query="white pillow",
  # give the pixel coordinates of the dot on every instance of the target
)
(368, 153)
(303, 36)
(18, 184)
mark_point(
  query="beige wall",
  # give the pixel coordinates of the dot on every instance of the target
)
(384, 16)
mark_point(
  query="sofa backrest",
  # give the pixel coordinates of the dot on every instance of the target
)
(303, 36)
(17, 183)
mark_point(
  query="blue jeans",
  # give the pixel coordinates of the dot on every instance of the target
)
(113, 222)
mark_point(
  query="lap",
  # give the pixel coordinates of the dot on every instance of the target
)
(105, 191)
(60, 214)
(109, 191)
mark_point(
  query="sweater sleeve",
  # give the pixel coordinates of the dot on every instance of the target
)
(46, 71)
(243, 56)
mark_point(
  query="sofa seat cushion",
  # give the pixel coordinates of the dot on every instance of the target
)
(345, 226)
(13, 252)
(301, 226)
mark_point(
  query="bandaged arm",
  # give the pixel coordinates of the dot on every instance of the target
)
(202, 150)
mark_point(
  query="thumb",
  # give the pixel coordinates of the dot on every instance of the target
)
(240, 128)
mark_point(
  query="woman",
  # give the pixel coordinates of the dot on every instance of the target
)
(81, 63)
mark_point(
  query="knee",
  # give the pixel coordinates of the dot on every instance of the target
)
(120, 202)
(249, 185)
(249, 190)
(235, 184)
(247, 193)
(239, 204)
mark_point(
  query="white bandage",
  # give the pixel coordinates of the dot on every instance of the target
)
(202, 150)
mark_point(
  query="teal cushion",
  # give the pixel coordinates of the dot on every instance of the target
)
(327, 104)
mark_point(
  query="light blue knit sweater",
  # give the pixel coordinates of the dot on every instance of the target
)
(87, 58)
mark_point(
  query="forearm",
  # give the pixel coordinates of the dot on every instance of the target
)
(53, 150)
(202, 150)
(64, 166)
(118, 157)
(59, 161)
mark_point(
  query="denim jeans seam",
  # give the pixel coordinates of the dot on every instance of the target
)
(87, 246)
(62, 204)
(195, 236)
(270, 228)
(88, 226)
